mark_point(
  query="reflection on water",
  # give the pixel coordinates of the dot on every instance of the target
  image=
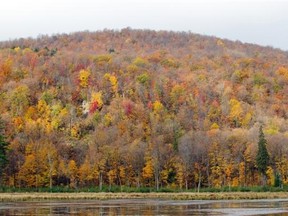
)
(146, 207)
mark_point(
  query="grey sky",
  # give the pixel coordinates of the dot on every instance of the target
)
(256, 21)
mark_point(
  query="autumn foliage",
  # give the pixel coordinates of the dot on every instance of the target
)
(142, 108)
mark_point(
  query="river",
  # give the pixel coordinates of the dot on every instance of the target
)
(146, 207)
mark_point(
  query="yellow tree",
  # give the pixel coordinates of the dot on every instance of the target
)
(158, 107)
(84, 76)
(5, 70)
(85, 173)
(40, 166)
(180, 174)
(122, 174)
(112, 176)
(72, 173)
(113, 82)
(148, 170)
(282, 168)
(164, 175)
(217, 163)
(270, 176)
(247, 119)
(228, 169)
(248, 166)
(44, 116)
(19, 99)
(58, 115)
(236, 112)
(27, 173)
(242, 173)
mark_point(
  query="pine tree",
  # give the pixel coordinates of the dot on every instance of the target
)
(262, 158)
(3, 150)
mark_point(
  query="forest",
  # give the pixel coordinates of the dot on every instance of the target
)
(141, 108)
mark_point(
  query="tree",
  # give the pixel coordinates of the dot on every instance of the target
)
(3, 150)
(262, 158)
(28, 171)
(84, 76)
(19, 99)
(73, 173)
(236, 112)
(147, 173)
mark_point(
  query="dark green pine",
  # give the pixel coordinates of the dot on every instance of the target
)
(3, 149)
(262, 158)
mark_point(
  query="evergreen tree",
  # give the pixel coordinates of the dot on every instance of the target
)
(277, 181)
(3, 150)
(262, 158)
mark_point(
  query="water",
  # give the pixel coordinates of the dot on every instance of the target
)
(146, 207)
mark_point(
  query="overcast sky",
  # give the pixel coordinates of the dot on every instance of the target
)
(263, 22)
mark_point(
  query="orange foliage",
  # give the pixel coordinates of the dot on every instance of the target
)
(182, 96)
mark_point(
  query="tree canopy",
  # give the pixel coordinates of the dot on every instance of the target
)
(3, 150)
(262, 158)
(142, 108)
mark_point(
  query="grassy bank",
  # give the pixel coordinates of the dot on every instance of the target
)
(118, 189)
(173, 196)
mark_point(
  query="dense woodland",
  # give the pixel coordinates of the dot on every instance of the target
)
(141, 108)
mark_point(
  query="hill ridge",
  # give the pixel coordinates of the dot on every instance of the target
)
(141, 108)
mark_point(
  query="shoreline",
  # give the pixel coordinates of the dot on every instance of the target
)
(165, 196)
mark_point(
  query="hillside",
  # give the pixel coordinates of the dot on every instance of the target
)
(141, 108)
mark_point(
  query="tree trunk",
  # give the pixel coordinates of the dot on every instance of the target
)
(100, 181)
(50, 181)
(138, 180)
(208, 175)
(50, 170)
(199, 182)
(120, 184)
(156, 176)
(264, 179)
(157, 180)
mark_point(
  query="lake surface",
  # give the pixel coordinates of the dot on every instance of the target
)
(146, 207)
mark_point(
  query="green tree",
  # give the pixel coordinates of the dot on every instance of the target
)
(262, 158)
(3, 150)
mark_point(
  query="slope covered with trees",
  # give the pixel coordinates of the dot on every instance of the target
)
(142, 108)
